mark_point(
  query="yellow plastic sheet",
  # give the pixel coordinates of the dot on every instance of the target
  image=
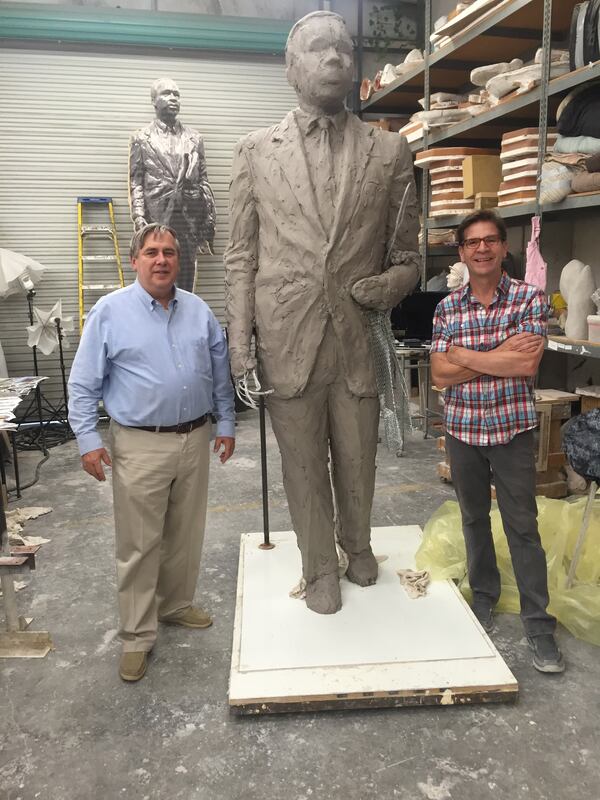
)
(442, 553)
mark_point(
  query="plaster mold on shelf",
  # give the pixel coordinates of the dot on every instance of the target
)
(513, 138)
(523, 145)
(449, 156)
(448, 180)
(366, 90)
(528, 164)
(443, 100)
(587, 145)
(389, 74)
(521, 80)
(555, 182)
(448, 194)
(577, 286)
(481, 75)
(441, 116)
(517, 175)
(459, 22)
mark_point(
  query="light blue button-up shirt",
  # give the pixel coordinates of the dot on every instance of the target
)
(150, 365)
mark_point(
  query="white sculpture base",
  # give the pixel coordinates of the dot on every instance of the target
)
(381, 649)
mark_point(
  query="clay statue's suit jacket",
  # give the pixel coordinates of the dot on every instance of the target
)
(287, 275)
(171, 188)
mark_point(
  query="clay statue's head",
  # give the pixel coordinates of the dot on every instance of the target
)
(318, 56)
(165, 99)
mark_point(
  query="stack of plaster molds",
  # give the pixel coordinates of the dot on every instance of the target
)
(463, 15)
(389, 74)
(445, 165)
(519, 156)
(527, 77)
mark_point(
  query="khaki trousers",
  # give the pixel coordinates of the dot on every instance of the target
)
(160, 483)
(327, 423)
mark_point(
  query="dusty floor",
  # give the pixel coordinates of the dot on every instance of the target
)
(71, 730)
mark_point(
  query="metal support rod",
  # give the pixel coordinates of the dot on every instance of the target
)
(359, 56)
(13, 441)
(425, 172)
(582, 534)
(63, 373)
(38, 391)
(427, 384)
(266, 545)
(543, 115)
(3, 486)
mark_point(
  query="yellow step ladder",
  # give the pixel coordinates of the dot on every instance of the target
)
(103, 262)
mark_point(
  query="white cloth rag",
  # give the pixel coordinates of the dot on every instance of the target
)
(414, 582)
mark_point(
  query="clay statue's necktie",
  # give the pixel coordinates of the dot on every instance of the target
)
(325, 185)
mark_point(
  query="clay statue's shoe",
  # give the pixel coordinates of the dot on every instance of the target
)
(362, 568)
(323, 595)
(132, 666)
(190, 617)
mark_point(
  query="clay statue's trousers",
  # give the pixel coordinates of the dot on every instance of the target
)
(327, 421)
(160, 483)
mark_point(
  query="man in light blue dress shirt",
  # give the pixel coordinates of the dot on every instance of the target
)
(157, 357)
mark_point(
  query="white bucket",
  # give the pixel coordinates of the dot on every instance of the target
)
(593, 321)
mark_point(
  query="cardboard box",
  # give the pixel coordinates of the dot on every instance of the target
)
(481, 174)
(588, 403)
(485, 200)
(380, 123)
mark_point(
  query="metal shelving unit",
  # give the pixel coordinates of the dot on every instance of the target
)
(501, 34)
(573, 347)
(515, 28)
(517, 213)
(521, 111)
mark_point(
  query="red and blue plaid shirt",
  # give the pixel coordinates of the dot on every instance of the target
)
(488, 410)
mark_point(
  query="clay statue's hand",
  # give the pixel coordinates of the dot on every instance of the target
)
(139, 223)
(249, 389)
(242, 364)
(383, 292)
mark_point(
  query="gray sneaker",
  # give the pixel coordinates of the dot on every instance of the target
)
(485, 616)
(546, 654)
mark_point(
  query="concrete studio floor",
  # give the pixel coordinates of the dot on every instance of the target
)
(71, 730)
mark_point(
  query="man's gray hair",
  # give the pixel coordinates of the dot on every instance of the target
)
(155, 229)
(302, 23)
(156, 84)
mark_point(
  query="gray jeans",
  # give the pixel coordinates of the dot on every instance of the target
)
(511, 466)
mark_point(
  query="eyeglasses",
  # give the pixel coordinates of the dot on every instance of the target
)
(473, 244)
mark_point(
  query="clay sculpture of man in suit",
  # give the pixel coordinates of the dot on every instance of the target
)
(314, 201)
(168, 183)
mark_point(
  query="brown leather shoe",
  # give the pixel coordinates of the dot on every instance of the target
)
(133, 665)
(191, 617)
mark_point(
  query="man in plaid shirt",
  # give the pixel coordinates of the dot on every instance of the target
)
(487, 343)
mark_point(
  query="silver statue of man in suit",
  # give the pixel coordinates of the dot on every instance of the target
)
(313, 204)
(168, 182)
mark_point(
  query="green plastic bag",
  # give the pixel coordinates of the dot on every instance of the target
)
(442, 553)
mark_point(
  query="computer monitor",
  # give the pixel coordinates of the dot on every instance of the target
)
(413, 317)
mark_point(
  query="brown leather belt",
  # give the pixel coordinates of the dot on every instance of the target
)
(183, 427)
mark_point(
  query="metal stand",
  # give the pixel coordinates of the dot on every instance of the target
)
(582, 534)
(266, 544)
(50, 420)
